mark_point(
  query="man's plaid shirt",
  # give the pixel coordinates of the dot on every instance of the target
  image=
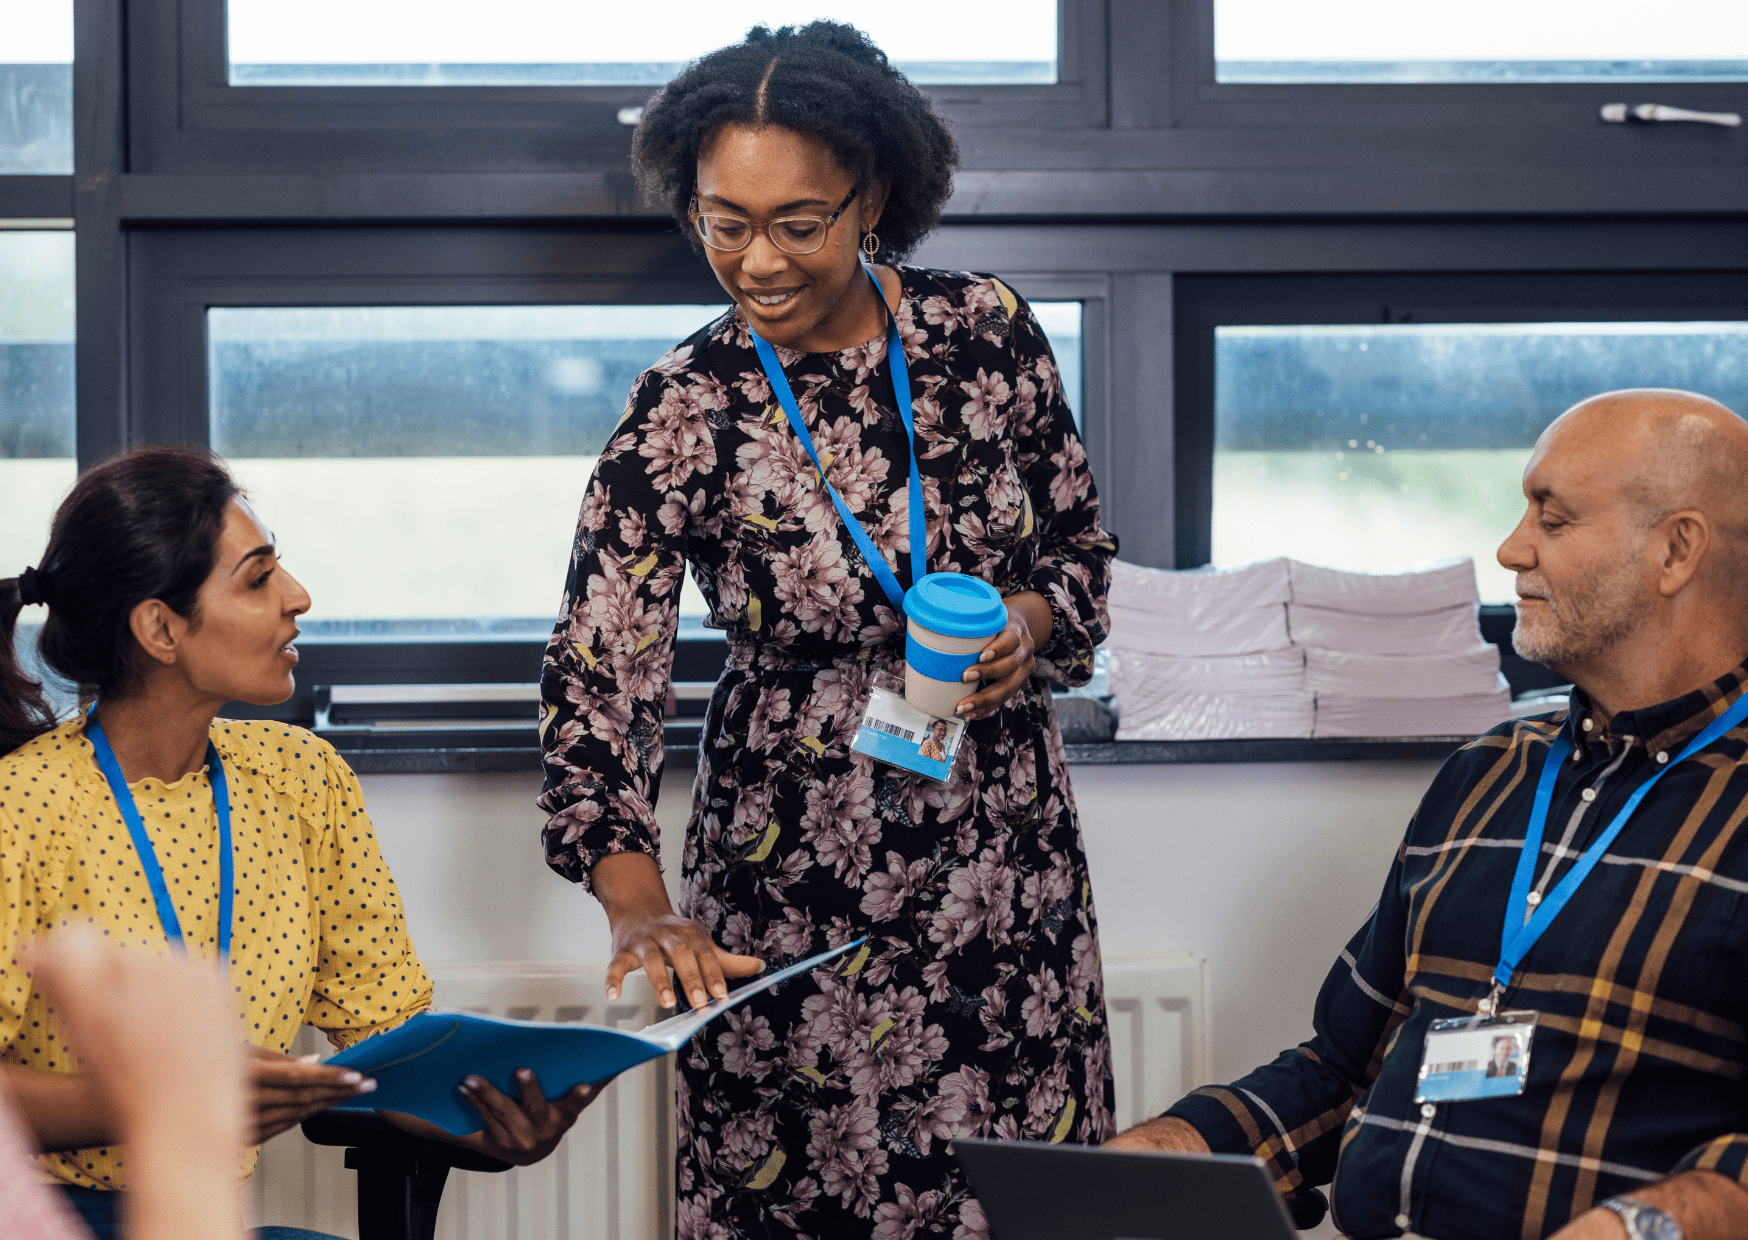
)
(1637, 1068)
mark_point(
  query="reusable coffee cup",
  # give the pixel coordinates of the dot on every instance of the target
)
(950, 618)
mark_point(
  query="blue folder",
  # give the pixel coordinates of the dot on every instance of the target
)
(419, 1066)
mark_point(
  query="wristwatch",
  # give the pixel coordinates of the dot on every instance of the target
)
(1644, 1221)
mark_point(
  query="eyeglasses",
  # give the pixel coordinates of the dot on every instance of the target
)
(797, 234)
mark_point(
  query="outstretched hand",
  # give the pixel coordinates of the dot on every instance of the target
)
(655, 940)
(649, 935)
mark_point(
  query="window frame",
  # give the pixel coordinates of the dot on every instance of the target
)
(1522, 125)
(1204, 302)
(176, 275)
(188, 118)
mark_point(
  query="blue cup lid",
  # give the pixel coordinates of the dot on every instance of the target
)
(956, 605)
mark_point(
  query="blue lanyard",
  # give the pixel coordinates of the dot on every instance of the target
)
(1520, 934)
(136, 827)
(901, 390)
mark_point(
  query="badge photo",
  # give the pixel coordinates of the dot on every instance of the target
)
(1476, 1057)
(898, 734)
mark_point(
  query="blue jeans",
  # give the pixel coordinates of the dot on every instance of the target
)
(101, 1212)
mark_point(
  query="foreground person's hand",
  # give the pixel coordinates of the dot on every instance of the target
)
(283, 1092)
(161, 1038)
(648, 934)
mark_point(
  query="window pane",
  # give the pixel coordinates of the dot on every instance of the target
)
(1061, 323)
(1369, 447)
(428, 462)
(566, 43)
(36, 87)
(1264, 41)
(36, 390)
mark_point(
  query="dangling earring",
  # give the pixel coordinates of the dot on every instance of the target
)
(870, 246)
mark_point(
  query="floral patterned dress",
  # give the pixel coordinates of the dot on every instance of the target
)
(825, 1108)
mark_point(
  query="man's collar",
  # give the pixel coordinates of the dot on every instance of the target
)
(1665, 727)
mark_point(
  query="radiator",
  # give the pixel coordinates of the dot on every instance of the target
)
(612, 1177)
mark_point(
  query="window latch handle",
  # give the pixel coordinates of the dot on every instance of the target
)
(1621, 113)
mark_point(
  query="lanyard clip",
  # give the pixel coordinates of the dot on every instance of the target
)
(1490, 1003)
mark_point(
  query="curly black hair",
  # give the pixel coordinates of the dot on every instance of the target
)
(825, 79)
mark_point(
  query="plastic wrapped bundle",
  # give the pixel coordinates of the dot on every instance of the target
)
(1345, 673)
(1207, 611)
(1465, 715)
(1431, 585)
(1450, 631)
(1270, 673)
(1160, 700)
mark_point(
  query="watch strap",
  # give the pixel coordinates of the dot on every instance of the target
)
(1644, 1221)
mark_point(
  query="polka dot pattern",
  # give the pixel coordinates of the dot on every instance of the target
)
(319, 935)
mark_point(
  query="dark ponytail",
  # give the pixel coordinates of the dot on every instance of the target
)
(24, 712)
(142, 525)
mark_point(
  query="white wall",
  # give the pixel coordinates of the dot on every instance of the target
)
(1264, 869)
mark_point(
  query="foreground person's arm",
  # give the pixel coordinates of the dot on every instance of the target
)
(1167, 1134)
(32, 1210)
(1704, 1204)
(61, 1110)
(68, 1110)
(160, 1040)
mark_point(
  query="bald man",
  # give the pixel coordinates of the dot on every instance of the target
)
(1614, 955)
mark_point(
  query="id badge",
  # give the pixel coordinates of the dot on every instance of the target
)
(1476, 1057)
(898, 734)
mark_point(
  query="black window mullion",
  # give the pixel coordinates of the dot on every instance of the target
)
(100, 246)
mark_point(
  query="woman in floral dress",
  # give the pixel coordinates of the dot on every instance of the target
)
(976, 1008)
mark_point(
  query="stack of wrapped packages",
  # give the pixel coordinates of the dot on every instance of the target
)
(1206, 655)
(1284, 649)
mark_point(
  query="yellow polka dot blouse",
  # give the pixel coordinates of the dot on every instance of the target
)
(319, 934)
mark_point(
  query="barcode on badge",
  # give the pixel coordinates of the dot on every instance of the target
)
(1456, 1065)
(891, 729)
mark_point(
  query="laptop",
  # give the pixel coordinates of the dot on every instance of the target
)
(1081, 1192)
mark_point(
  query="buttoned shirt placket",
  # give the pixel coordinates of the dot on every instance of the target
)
(1588, 796)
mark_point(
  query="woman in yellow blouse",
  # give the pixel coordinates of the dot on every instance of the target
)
(165, 601)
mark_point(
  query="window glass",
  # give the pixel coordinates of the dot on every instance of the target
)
(36, 390)
(421, 463)
(1270, 41)
(1369, 447)
(36, 87)
(427, 462)
(564, 43)
(1061, 323)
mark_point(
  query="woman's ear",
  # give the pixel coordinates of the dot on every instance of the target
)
(158, 630)
(873, 204)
